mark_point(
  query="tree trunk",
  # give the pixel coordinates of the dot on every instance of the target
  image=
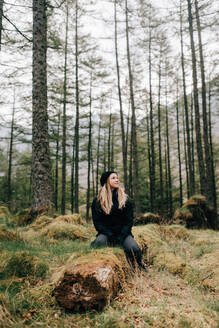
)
(77, 113)
(109, 142)
(64, 119)
(208, 159)
(1, 15)
(57, 164)
(202, 173)
(134, 132)
(192, 143)
(170, 200)
(152, 153)
(89, 154)
(124, 149)
(41, 166)
(191, 188)
(73, 178)
(211, 147)
(98, 153)
(149, 159)
(10, 155)
(112, 164)
(159, 135)
(178, 148)
(131, 163)
(185, 157)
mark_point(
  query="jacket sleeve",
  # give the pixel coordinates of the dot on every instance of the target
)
(128, 212)
(98, 222)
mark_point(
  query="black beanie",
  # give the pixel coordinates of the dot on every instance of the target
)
(105, 176)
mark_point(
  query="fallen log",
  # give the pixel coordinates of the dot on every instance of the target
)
(91, 281)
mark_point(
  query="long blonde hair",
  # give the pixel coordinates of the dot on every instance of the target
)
(105, 197)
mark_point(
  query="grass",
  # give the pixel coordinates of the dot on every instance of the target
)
(179, 291)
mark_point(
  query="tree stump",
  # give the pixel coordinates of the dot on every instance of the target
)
(90, 281)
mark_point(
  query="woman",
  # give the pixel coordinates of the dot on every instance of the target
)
(112, 215)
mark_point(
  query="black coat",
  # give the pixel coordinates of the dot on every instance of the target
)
(118, 224)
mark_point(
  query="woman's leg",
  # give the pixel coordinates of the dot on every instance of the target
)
(100, 241)
(133, 252)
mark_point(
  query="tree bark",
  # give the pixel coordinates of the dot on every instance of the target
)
(185, 156)
(89, 154)
(109, 142)
(10, 155)
(41, 167)
(159, 135)
(191, 188)
(170, 199)
(73, 178)
(57, 164)
(208, 159)
(152, 153)
(77, 113)
(211, 147)
(64, 118)
(98, 152)
(124, 149)
(1, 15)
(178, 148)
(134, 132)
(202, 172)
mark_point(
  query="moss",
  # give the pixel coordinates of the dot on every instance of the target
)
(22, 217)
(23, 264)
(41, 222)
(36, 298)
(8, 235)
(63, 230)
(149, 240)
(74, 219)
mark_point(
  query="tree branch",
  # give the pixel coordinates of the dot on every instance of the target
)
(17, 28)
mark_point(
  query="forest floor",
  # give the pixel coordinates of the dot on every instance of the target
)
(173, 293)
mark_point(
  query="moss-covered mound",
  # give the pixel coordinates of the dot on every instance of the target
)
(8, 235)
(27, 216)
(64, 230)
(148, 218)
(195, 214)
(22, 264)
(41, 222)
(74, 219)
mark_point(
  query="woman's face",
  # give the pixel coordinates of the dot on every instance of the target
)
(113, 181)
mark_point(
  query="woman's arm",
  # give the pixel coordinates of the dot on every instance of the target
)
(128, 212)
(98, 222)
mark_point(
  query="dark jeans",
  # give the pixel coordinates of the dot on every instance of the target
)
(131, 248)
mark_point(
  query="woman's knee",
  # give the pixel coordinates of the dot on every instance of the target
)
(130, 244)
(100, 241)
